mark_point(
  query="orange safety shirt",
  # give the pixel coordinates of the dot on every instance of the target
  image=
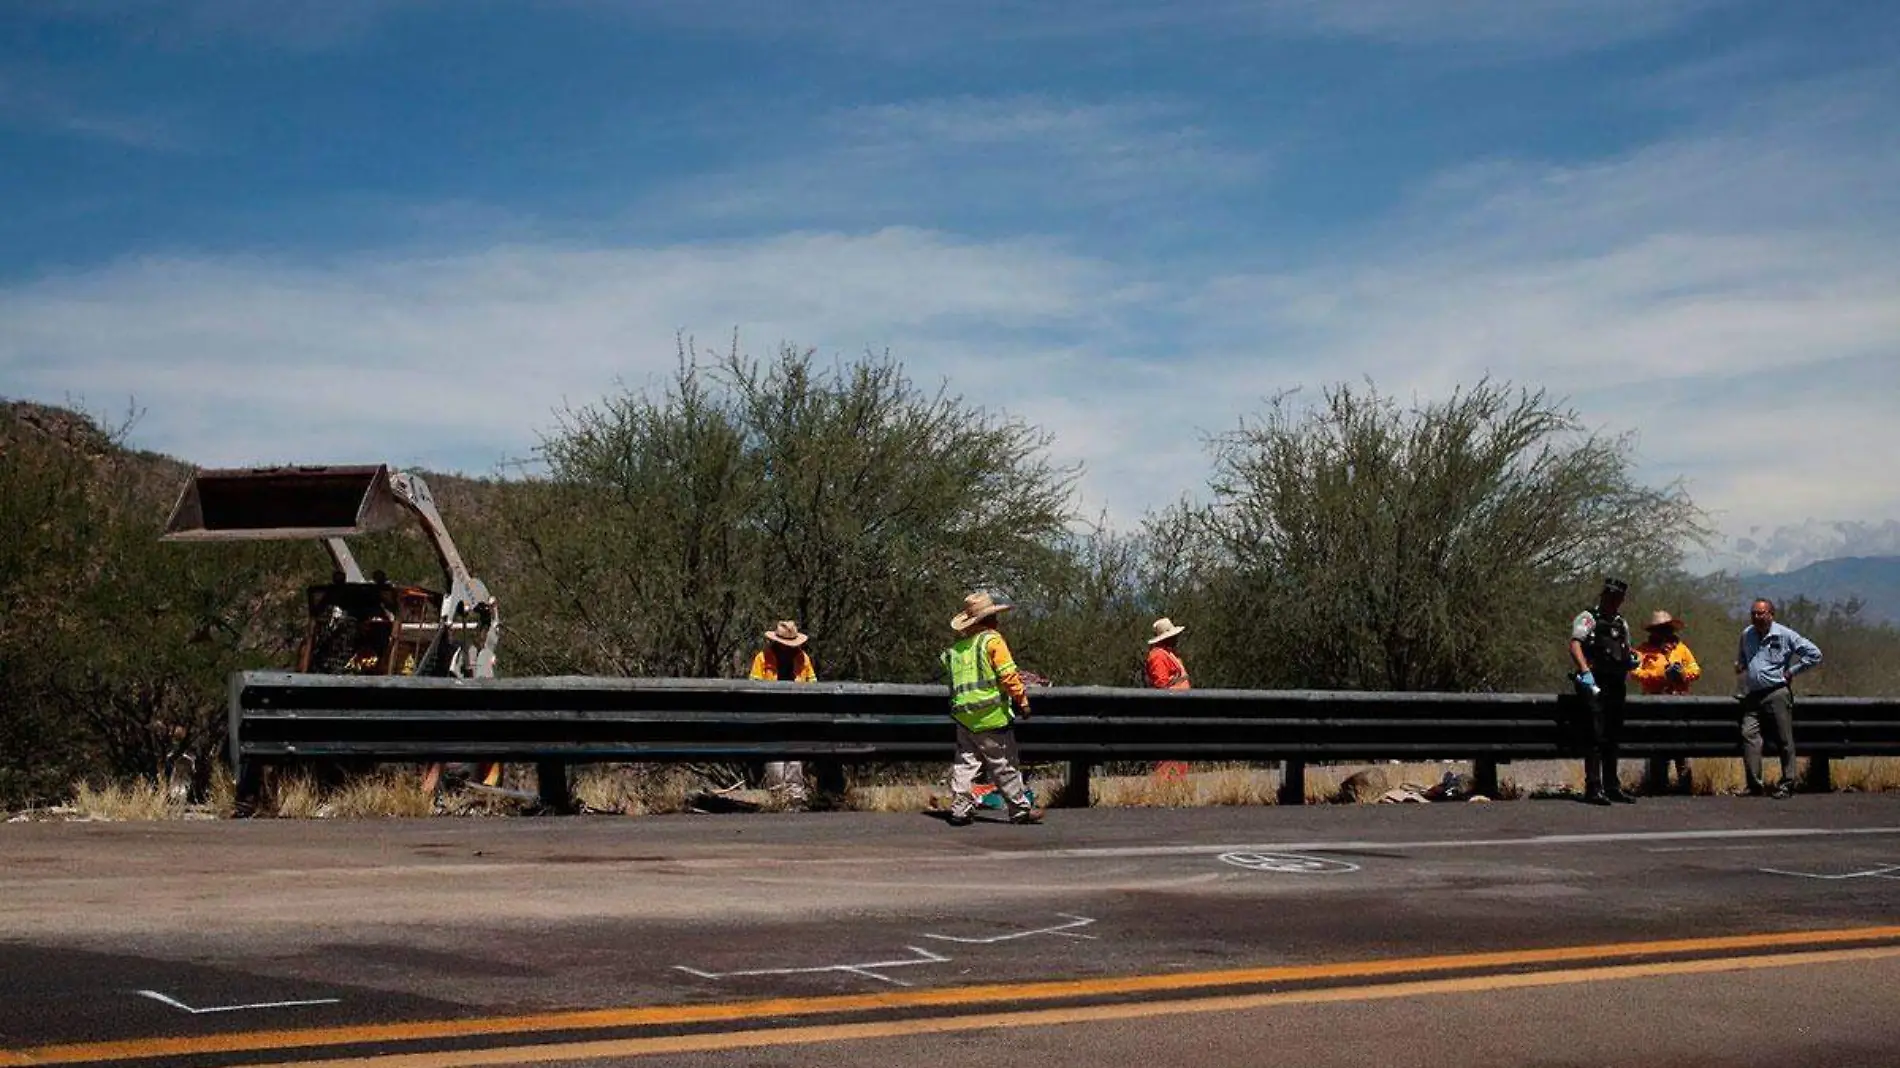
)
(764, 667)
(1652, 672)
(1165, 670)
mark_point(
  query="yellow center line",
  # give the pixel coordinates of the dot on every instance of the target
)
(789, 1036)
(994, 993)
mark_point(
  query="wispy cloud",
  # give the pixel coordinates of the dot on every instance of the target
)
(1531, 24)
(293, 25)
(1016, 159)
(1524, 26)
(32, 99)
(1730, 295)
(246, 361)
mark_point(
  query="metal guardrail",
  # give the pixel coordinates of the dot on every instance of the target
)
(282, 717)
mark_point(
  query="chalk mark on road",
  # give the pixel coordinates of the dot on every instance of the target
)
(177, 1004)
(1288, 863)
(868, 969)
(1065, 930)
(1885, 871)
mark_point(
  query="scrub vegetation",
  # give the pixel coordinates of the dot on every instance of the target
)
(1342, 539)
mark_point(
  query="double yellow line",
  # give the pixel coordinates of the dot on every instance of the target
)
(1743, 953)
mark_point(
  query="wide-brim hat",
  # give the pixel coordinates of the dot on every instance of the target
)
(1660, 620)
(1165, 628)
(977, 607)
(786, 633)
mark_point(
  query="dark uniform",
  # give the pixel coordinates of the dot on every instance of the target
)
(1605, 637)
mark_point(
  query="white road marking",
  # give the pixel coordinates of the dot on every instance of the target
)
(1066, 930)
(1288, 863)
(1885, 871)
(868, 969)
(176, 1004)
(1110, 852)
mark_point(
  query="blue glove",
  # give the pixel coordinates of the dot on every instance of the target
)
(1586, 682)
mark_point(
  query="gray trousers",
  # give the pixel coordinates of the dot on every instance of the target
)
(1773, 709)
(995, 750)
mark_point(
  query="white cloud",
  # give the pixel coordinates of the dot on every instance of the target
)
(1732, 296)
(1028, 158)
(1518, 23)
(1520, 26)
(458, 360)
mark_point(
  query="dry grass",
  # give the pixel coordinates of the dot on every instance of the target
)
(636, 789)
(1866, 774)
(138, 800)
(389, 794)
(221, 793)
(893, 797)
(1202, 785)
(291, 796)
(642, 789)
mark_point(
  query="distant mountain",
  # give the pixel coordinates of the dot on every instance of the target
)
(1777, 550)
(1873, 579)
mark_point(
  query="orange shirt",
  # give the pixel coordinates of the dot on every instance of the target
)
(1006, 673)
(1652, 672)
(802, 671)
(1165, 670)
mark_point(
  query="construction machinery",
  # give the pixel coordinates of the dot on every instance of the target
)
(356, 625)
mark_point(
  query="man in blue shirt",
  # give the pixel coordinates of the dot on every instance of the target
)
(1771, 655)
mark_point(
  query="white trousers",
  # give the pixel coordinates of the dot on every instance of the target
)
(995, 750)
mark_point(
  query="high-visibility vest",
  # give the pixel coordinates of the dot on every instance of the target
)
(976, 688)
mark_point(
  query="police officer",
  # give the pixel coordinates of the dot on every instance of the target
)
(1600, 650)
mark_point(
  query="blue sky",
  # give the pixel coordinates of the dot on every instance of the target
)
(1126, 222)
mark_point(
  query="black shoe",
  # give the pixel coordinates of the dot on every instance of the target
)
(1028, 815)
(957, 821)
(1595, 797)
(1757, 790)
(1783, 792)
(1619, 797)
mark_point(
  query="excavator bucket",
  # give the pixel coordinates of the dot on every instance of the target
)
(267, 503)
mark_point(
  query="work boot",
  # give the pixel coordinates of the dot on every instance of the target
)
(1783, 791)
(1028, 815)
(1595, 797)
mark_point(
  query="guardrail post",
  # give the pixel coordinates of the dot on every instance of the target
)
(1293, 782)
(551, 781)
(1075, 792)
(249, 789)
(830, 781)
(1820, 775)
(1656, 775)
(1484, 777)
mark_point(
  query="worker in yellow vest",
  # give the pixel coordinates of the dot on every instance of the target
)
(987, 697)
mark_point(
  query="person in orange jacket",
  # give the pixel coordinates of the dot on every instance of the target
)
(783, 659)
(1667, 667)
(1165, 671)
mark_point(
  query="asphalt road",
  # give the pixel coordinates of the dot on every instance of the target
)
(1679, 931)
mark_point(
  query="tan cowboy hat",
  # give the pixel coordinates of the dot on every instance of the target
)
(976, 608)
(786, 634)
(1660, 619)
(1165, 628)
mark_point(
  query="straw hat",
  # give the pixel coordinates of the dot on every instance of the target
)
(1165, 628)
(976, 608)
(1660, 619)
(786, 634)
